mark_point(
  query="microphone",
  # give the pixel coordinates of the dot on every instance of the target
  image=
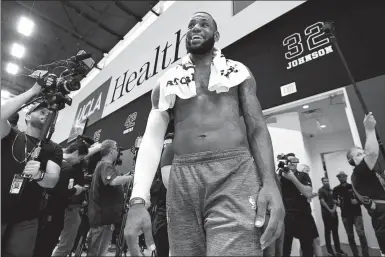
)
(328, 28)
(80, 57)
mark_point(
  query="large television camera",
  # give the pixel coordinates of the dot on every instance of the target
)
(75, 69)
(285, 160)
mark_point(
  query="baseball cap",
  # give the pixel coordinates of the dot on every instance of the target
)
(37, 106)
(341, 174)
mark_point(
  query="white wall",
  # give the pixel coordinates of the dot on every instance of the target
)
(161, 32)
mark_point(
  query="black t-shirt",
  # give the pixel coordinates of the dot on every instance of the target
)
(29, 205)
(294, 201)
(327, 195)
(345, 194)
(105, 201)
(367, 183)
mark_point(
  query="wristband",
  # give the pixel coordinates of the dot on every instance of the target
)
(42, 173)
(137, 200)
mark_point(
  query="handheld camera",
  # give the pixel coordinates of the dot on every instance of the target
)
(285, 160)
(119, 160)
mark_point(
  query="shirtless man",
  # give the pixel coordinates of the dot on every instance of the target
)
(218, 190)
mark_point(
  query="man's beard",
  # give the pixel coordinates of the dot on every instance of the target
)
(203, 48)
(36, 123)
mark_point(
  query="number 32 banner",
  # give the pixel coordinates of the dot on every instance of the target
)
(294, 49)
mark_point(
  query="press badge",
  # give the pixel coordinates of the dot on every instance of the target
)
(17, 183)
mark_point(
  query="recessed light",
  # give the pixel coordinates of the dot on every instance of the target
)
(12, 68)
(305, 106)
(322, 126)
(18, 50)
(25, 26)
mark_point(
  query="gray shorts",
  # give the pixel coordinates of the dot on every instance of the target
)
(211, 204)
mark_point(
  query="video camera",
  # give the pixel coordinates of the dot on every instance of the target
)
(76, 68)
(118, 160)
(285, 161)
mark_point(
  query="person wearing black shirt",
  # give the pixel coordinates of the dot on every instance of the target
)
(60, 214)
(368, 180)
(158, 198)
(351, 214)
(299, 222)
(106, 198)
(330, 218)
(20, 210)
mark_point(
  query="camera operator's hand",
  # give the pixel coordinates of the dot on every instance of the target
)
(288, 175)
(138, 220)
(32, 168)
(36, 88)
(354, 201)
(369, 122)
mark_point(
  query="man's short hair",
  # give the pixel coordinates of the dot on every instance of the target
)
(290, 154)
(107, 145)
(215, 23)
(349, 154)
(14, 119)
(77, 146)
(322, 179)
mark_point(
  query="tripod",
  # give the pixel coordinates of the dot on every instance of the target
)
(84, 227)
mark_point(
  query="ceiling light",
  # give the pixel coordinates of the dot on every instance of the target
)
(12, 68)
(5, 94)
(18, 50)
(25, 26)
(322, 126)
(305, 106)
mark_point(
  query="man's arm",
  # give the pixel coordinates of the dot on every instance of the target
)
(95, 148)
(371, 145)
(305, 190)
(12, 105)
(121, 180)
(150, 148)
(51, 177)
(258, 135)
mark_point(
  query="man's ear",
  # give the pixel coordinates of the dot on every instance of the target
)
(27, 118)
(216, 36)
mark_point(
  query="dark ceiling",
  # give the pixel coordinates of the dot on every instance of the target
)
(62, 28)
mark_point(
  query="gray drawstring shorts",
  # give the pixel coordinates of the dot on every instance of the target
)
(211, 204)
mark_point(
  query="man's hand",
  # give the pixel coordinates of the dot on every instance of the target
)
(288, 175)
(36, 88)
(138, 221)
(32, 168)
(369, 122)
(79, 189)
(354, 201)
(270, 198)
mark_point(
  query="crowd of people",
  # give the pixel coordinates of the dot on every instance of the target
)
(213, 188)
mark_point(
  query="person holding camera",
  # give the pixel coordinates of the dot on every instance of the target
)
(296, 190)
(351, 214)
(368, 179)
(61, 213)
(21, 206)
(106, 198)
(330, 218)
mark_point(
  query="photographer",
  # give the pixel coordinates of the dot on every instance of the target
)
(106, 198)
(20, 209)
(296, 190)
(61, 213)
(368, 180)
